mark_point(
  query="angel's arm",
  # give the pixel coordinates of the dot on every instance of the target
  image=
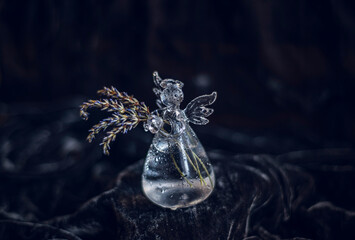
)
(157, 90)
(154, 122)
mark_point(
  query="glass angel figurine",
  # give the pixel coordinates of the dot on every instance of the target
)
(177, 172)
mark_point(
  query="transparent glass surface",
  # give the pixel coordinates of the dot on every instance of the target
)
(177, 172)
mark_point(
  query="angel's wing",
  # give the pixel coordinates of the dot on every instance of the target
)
(196, 112)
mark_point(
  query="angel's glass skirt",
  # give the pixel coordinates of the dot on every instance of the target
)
(177, 172)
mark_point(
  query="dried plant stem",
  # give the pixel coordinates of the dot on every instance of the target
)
(177, 168)
(199, 172)
(204, 167)
(196, 168)
(128, 112)
(101, 126)
(202, 164)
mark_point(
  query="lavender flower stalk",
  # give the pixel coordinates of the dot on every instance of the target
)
(127, 113)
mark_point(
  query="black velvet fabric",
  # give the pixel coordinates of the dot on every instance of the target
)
(54, 185)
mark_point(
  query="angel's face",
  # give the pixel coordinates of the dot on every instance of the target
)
(172, 95)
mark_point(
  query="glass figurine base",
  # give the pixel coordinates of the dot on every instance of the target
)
(177, 172)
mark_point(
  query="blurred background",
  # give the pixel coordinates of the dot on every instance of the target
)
(284, 72)
(285, 66)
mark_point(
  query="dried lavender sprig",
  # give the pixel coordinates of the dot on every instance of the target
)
(128, 112)
(121, 96)
(101, 126)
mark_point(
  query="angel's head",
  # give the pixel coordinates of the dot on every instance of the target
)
(169, 91)
(171, 94)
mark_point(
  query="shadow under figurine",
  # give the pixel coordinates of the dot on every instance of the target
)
(177, 172)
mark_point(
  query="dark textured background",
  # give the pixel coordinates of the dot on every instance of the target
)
(284, 72)
(285, 64)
